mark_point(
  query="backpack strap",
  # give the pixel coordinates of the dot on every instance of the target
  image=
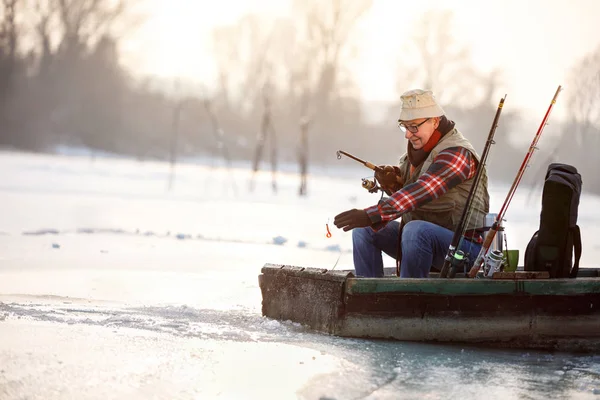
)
(577, 246)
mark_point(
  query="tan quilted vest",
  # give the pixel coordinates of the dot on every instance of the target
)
(447, 210)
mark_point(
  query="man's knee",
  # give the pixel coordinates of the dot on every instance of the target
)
(414, 230)
(362, 235)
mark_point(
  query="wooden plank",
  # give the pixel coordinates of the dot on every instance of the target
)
(308, 273)
(491, 306)
(559, 333)
(473, 286)
(522, 275)
(584, 272)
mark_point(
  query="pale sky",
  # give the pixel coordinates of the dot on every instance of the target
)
(534, 42)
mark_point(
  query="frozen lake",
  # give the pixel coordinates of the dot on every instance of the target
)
(113, 287)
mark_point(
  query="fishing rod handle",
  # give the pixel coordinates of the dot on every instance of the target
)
(558, 90)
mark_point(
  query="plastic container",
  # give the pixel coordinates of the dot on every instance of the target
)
(497, 244)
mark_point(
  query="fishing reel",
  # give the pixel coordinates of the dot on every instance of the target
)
(458, 261)
(371, 185)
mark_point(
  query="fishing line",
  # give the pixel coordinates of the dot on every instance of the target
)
(328, 235)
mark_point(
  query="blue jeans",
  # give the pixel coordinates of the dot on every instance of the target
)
(424, 245)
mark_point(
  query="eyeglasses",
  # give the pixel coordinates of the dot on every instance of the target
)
(411, 128)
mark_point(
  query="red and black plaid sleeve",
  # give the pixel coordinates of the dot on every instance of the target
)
(450, 167)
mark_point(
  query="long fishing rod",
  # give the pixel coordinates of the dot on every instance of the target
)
(455, 257)
(496, 225)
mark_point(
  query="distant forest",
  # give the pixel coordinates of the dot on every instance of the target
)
(284, 92)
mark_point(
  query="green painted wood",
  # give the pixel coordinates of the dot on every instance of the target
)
(356, 286)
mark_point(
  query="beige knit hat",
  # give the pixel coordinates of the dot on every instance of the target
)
(419, 103)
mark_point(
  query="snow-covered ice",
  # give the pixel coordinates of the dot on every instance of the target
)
(112, 286)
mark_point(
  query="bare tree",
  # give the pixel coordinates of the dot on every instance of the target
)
(174, 141)
(8, 44)
(248, 57)
(84, 22)
(318, 80)
(219, 136)
(9, 60)
(44, 24)
(434, 60)
(300, 60)
(266, 135)
(582, 130)
(68, 28)
(78, 40)
(303, 156)
(226, 57)
(583, 103)
(327, 27)
(245, 60)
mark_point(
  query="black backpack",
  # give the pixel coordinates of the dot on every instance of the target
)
(551, 247)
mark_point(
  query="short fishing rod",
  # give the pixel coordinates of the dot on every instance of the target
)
(491, 234)
(454, 258)
(370, 185)
(365, 163)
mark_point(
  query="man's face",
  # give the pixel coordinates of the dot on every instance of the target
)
(419, 131)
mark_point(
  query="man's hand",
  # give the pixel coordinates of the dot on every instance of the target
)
(352, 219)
(389, 178)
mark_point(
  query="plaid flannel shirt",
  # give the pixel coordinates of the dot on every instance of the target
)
(449, 168)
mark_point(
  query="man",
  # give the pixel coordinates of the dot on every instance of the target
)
(428, 191)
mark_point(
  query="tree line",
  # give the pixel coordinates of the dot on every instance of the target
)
(284, 92)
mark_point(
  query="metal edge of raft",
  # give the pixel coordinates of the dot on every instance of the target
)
(559, 314)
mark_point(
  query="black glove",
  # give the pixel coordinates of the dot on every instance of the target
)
(352, 219)
(389, 178)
